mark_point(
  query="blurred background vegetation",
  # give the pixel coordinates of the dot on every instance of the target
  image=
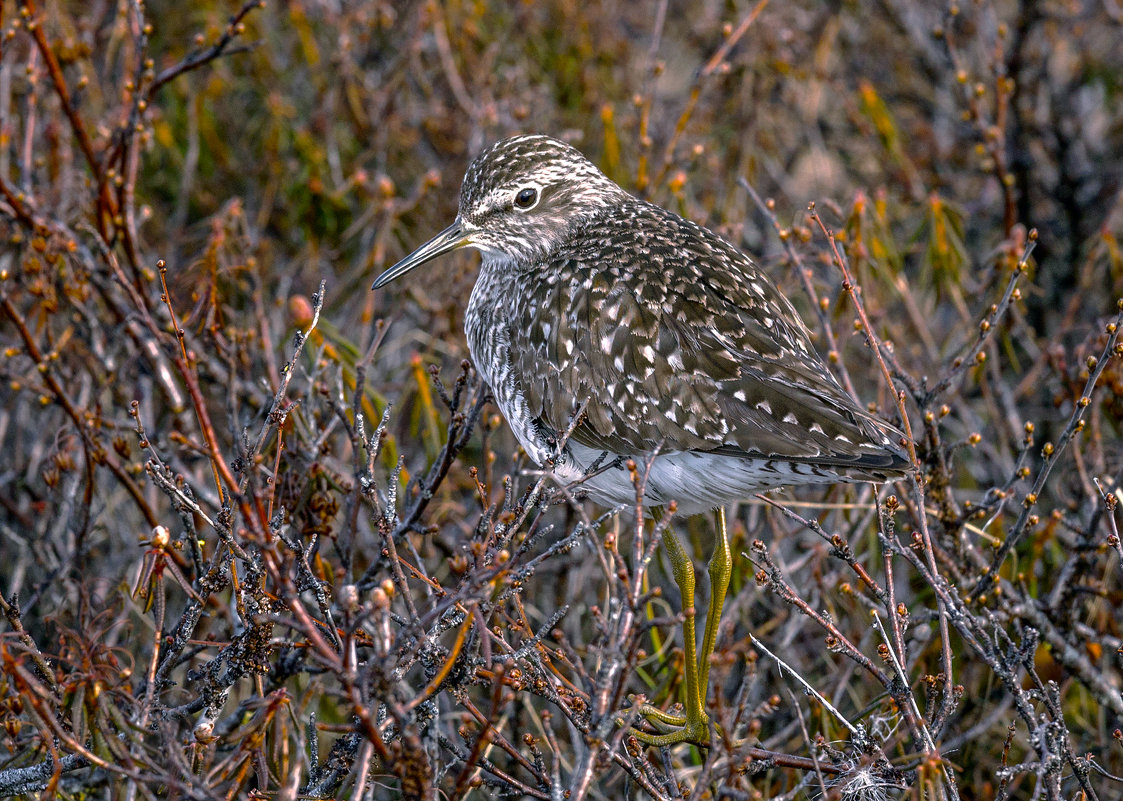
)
(235, 561)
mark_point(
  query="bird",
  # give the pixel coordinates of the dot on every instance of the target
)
(647, 338)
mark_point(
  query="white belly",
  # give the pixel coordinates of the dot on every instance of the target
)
(696, 480)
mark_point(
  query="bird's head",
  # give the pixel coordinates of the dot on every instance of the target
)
(519, 200)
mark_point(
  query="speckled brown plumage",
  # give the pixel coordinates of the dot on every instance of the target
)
(668, 336)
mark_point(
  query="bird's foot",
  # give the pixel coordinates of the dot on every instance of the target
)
(674, 729)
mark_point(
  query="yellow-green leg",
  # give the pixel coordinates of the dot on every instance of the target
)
(695, 726)
(721, 568)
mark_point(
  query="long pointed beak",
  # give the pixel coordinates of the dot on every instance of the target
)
(446, 241)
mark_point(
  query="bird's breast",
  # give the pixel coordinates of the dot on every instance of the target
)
(487, 328)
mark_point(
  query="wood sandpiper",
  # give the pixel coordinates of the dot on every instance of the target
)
(672, 345)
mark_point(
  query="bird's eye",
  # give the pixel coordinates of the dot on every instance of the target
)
(526, 198)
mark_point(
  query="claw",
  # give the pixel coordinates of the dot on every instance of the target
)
(680, 729)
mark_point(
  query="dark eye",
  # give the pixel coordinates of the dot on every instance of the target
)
(526, 198)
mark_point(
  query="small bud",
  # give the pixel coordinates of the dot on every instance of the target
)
(379, 600)
(300, 311)
(204, 731)
(349, 597)
(160, 537)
